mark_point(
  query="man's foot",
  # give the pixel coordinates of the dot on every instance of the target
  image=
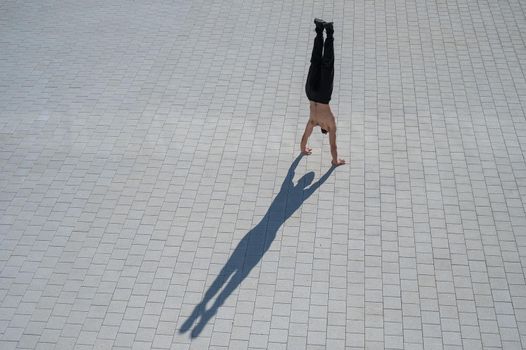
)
(328, 27)
(319, 21)
(320, 24)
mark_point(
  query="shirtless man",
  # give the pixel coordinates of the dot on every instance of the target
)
(319, 89)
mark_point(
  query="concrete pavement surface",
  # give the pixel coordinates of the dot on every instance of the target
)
(152, 197)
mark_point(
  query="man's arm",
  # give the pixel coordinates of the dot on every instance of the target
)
(334, 148)
(306, 135)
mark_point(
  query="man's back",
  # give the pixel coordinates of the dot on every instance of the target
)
(321, 114)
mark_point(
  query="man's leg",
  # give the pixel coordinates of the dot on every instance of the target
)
(313, 78)
(317, 49)
(327, 66)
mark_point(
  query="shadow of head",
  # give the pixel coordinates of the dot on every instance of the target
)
(306, 179)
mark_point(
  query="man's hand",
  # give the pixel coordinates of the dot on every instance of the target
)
(306, 151)
(338, 162)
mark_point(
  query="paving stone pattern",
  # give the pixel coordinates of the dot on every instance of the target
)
(144, 154)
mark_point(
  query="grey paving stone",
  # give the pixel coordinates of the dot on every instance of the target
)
(141, 142)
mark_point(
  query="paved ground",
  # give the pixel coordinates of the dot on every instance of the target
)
(150, 194)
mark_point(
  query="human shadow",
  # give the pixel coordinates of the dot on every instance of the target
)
(253, 245)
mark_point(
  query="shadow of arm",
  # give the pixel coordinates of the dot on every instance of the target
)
(318, 183)
(287, 183)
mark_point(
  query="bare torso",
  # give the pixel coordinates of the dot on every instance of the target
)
(321, 114)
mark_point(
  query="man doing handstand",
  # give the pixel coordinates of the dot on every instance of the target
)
(319, 89)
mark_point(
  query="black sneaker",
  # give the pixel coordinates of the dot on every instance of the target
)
(328, 27)
(320, 24)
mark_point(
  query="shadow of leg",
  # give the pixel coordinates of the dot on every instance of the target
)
(198, 310)
(218, 283)
(234, 282)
